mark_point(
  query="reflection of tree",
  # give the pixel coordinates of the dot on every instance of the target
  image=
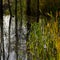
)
(37, 10)
(28, 26)
(21, 16)
(1, 24)
(34, 12)
(9, 28)
(16, 24)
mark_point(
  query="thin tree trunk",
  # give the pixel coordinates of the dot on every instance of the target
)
(0, 25)
(28, 27)
(1, 22)
(37, 10)
(9, 28)
(16, 25)
(21, 16)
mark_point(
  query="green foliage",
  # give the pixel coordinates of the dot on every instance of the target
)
(41, 44)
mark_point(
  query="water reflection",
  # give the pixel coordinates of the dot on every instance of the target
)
(22, 39)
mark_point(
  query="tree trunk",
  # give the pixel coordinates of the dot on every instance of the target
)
(1, 24)
(28, 27)
(16, 25)
(37, 10)
(9, 28)
(21, 15)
